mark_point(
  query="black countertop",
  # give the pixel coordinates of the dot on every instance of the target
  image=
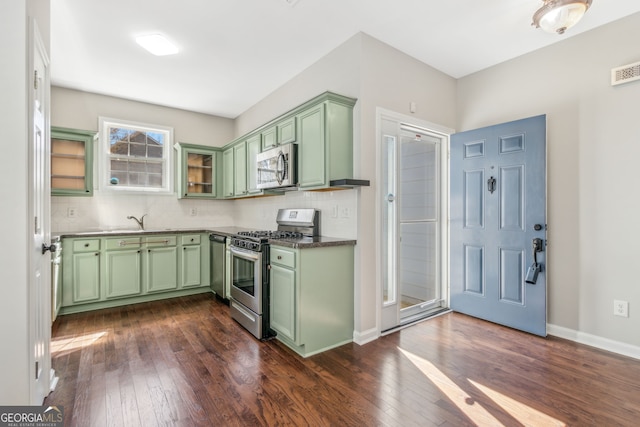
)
(306, 242)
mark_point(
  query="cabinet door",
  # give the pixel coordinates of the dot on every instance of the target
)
(162, 269)
(253, 148)
(197, 173)
(287, 131)
(123, 275)
(311, 148)
(86, 277)
(190, 266)
(283, 301)
(227, 167)
(269, 139)
(71, 162)
(240, 169)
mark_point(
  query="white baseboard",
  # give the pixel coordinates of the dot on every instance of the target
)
(594, 341)
(364, 337)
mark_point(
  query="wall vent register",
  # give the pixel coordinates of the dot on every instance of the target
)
(625, 74)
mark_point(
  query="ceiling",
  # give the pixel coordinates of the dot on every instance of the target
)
(233, 53)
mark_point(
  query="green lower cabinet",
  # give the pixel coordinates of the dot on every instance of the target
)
(162, 269)
(123, 275)
(119, 270)
(283, 301)
(311, 297)
(86, 270)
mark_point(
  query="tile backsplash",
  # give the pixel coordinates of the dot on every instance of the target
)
(105, 211)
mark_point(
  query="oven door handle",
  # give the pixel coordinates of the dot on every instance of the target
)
(249, 255)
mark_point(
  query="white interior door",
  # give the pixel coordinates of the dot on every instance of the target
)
(40, 213)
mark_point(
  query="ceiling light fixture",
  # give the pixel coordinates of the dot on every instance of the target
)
(157, 44)
(556, 16)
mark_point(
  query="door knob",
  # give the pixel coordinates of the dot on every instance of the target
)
(391, 198)
(46, 248)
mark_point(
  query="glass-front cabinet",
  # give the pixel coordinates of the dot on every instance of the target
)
(196, 171)
(71, 162)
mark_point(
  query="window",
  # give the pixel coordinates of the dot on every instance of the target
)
(136, 156)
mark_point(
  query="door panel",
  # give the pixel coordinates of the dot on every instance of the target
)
(498, 194)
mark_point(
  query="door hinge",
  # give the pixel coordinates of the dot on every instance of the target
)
(35, 80)
(37, 369)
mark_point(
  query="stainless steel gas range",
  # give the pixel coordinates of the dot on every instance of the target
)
(249, 301)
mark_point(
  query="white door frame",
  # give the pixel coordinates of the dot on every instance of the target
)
(444, 202)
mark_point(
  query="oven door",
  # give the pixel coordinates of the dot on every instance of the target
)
(246, 278)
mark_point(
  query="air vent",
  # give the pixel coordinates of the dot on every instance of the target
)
(625, 74)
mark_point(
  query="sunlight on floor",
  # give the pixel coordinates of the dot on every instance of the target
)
(473, 410)
(70, 344)
(521, 412)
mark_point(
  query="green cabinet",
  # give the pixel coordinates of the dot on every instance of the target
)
(191, 261)
(123, 267)
(196, 171)
(283, 132)
(253, 148)
(325, 142)
(311, 297)
(84, 258)
(101, 272)
(161, 263)
(71, 162)
(228, 172)
(240, 169)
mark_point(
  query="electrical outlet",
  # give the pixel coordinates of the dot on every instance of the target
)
(345, 212)
(72, 212)
(621, 308)
(193, 211)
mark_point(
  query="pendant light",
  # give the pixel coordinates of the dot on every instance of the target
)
(556, 16)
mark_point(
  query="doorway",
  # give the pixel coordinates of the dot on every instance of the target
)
(413, 233)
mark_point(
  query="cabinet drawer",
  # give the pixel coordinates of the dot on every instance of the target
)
(123, 243)
(283, 257)
(190, 239)
(86, 245)
(155, 241)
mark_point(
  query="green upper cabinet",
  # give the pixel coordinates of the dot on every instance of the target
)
(228, 172)
(240, 169)
(71, 162)
(283, 132)
(253, 148)
(196, 171)
(269, 138)
(325, 142)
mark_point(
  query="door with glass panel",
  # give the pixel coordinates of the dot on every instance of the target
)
(411, 226)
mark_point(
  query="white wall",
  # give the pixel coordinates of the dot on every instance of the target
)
(593, 145)
(80, 110)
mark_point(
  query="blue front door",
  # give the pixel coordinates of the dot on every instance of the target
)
(498, 216)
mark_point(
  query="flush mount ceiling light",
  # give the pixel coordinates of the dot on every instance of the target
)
(556, 16)
(157, 44)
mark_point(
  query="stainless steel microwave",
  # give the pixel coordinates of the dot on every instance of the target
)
(278, 167)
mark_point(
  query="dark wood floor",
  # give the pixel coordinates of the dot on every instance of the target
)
(185, 362)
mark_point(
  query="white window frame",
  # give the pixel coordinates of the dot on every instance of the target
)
(105, 155)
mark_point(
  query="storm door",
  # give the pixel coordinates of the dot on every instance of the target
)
(412, 241)
(498, 224)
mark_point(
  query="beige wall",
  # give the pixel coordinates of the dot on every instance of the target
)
(379, 76)
(593, 143)
(80, 110)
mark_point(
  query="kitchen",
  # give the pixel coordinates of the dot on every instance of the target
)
(587, 106)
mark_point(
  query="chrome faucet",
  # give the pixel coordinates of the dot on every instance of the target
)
(139, 221)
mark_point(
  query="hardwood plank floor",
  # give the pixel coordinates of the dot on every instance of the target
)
(185, 362)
